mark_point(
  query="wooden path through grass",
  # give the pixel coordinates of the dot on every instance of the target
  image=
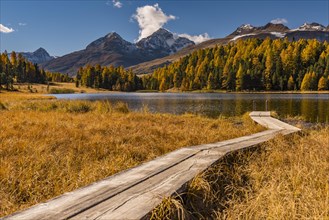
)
(133, 193)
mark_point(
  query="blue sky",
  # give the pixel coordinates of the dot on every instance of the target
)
(63, 26)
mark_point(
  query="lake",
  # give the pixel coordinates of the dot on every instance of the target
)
(312, 107)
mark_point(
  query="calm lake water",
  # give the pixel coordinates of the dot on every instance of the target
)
(313, 107)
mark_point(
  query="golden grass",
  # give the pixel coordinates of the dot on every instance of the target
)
(289, 180)
(48, 147)
(44, 89)
(13, 97)
(286, 178)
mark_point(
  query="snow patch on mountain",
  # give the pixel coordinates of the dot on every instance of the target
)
(247, 26)
(310, 27)
(170, 42)
(243, 35)
(243, 27)
(278, 34)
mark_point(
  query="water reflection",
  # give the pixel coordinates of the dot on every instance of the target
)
(312, 107)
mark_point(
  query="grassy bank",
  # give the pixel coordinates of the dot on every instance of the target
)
(65, 88)
(48, 147)
(286, 178)
(53, 88)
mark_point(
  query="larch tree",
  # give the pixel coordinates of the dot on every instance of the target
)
(291, 83)
(323, 84)
(306, 84)
(240, 79)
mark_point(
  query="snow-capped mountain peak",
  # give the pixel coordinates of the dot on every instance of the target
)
(113, 35)
(164, 40)
(274, 31)
(246, 27)
(311, 27)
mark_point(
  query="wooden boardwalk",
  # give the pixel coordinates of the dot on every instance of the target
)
(133, 193)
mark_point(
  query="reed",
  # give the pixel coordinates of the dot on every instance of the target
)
(286, 178)
(48, 147)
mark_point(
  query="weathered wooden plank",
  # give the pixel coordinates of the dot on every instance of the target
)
(74, 202)
(260, 114)
(151, 192)
(133, 193)
(265, 119)
(233, 141)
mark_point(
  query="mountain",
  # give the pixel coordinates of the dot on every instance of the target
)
(311, 27)
(274, 27)
(112, 49)
(39, 56)
(249, 30)
(309, 31)
(163, 47)
(163, 42)
(111, 41)
(245, 31)
(274, 31)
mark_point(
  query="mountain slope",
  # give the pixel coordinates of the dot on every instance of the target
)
(273, 31)
(108, 50)
(113, 50)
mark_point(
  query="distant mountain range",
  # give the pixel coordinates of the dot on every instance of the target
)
(113, 50)
(273, 31)
(39, 56)
(162, 47)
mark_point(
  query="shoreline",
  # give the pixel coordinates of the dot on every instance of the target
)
(69, 88)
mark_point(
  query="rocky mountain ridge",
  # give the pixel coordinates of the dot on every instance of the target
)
(112, 49)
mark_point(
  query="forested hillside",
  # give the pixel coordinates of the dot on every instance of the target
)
(251, 64)
(111, 78)
(247, 65)
(17, 69)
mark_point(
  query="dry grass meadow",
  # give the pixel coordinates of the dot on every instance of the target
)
(48, 147)
(54, 87)
(286, 178)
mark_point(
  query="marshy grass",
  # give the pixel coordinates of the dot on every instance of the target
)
(48, 147)
(61, 91)
(2, 106)
(53, 88)
(286, 178)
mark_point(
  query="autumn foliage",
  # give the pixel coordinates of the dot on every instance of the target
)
(251, 64)
(17, 69)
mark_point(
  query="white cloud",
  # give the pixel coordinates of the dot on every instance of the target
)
(22, 24)
(4, 29)
(196, 38)
(115, 3)
(150, 19)
(279, 21)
